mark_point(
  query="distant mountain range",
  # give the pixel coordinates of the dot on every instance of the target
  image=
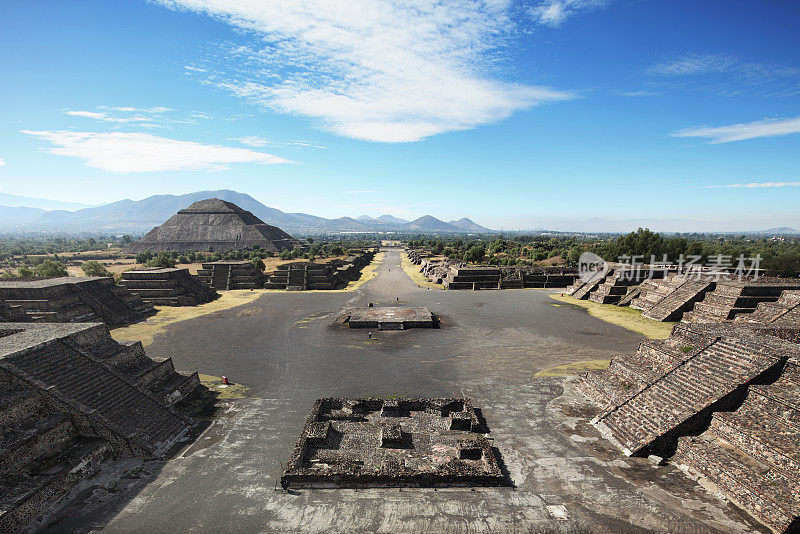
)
(13, 201)
(139, 216)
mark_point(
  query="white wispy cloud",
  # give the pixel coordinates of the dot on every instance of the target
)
(378, 70)
(740, 132)
(138, 152)
(255, 141)
(727, 75)
(155, 109)
(2, 162)
(105, 117)
(694, 64)
(554, 12)
(755, 185)
(638, 93)
(151, 117)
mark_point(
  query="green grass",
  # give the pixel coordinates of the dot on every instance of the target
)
(413, 272)
(231, 391)
(621, 316)
(573, 368)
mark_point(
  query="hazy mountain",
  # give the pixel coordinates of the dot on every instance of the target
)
(14, 201)
(429, 223)
(781, 230)
(15, 216)
(469, 225)
(392, 219)
(139, 216)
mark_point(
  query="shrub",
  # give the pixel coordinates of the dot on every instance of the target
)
(163, 259)
(94, 268)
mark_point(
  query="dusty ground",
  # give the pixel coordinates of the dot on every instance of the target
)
(490, 347)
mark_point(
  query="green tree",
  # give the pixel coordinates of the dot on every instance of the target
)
(475, 254)
(50, 269)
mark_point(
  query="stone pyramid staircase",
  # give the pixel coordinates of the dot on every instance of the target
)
(44, 454)
(785, 309)
(730, 299)
(720, 399)
(684, 293)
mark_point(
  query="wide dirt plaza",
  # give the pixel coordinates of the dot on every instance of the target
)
(489, 348)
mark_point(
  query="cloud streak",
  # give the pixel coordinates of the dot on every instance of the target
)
(754, 185)
(740, 132)
(728, 75)
(555, 12)
(138, 152)
(376, 70)
(2, 162)
(693, 64)
(147, 117)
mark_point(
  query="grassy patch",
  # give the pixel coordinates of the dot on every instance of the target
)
(573, 368)
(145, 331)
(413, 272)
(231, 391)
(621, 316)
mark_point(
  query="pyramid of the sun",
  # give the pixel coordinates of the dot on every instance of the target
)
(213, 225)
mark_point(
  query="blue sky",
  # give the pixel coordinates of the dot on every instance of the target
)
(566, 114)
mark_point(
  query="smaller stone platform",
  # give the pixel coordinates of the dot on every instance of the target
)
(167, 286)
(225, 275)
(393, 442)
(390, 318)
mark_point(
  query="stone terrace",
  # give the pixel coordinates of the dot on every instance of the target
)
(225, 275)
(785, 309)
(377, 442)
(75, 299)
(298, 276)
(731, 298)
(14, 314)
(167, 287)
(722, 400)
(472, 277)
(67, 402)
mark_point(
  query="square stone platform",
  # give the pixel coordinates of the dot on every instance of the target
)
(394, 442)
(390, 318)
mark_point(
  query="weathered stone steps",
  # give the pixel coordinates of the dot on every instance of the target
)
(681, 393)
(75, 377)
(764, 491)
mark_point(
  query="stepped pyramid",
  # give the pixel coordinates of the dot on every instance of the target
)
(213, 225)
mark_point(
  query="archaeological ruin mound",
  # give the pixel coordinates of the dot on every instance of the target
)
(393, 442)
